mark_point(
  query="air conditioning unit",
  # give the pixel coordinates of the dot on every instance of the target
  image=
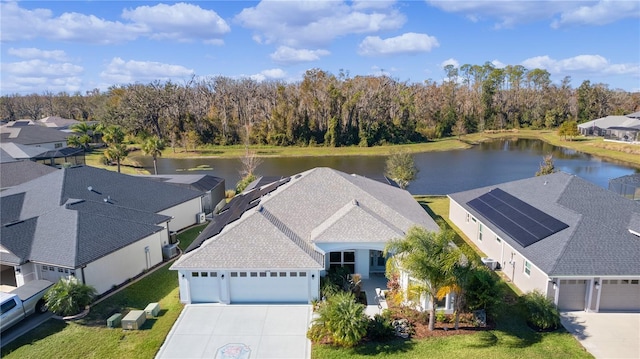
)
(169, 251)
(173, 237)
(201, 217)
(491, 263)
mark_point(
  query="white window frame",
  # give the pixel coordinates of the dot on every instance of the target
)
(527, 268)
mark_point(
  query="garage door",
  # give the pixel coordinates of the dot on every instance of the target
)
(269, 287)
(620, 295)
(572, 294)
(205, 287)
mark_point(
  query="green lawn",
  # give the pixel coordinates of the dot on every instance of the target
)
(90, 338)
(510, 339)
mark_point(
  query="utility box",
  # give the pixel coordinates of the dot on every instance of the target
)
(134, 320)
(152, 310)
(114, 321)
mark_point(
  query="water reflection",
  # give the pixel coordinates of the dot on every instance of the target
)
(487, 164)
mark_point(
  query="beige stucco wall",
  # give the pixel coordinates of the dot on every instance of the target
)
(125, 263)
(511, 261)
(184, 214)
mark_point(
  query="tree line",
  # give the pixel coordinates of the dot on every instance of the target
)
(333, 110)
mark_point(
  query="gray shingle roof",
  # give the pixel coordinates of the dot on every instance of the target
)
(597, 241)
(200, 183)
(317, 206)
(18, 172)
(74, 225)
(32, 135)
(612, 121)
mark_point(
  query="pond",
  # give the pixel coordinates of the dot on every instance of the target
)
(445, 172)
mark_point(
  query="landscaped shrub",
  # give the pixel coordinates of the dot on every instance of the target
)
(483, 291)
(380, 328)
(340, 318)
(69, 297)
(539, 311)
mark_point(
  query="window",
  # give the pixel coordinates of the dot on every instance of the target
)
(473, 219)
(293, 274)
(498, 239)
(634, 281)
(234, 274)
(60, 270)
(614, 281)
(8, 306)
(273, 274)
(45, 268)
(527, 268)
(467, 219)
(283, 274)
(254, 274)
(195, 274)
(204, 274)
(263, 274)
(213, 274)
(480, 232)
(345, 259)
(624, 281)
(58, 145)
(303, 274)
(243, 274)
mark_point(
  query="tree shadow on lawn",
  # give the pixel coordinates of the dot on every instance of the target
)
(388, 347)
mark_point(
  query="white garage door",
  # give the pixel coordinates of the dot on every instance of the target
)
(620, 295)
(269, 287)
(572, 294)
(205, 287)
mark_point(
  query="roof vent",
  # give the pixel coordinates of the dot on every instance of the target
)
(545, 183)
(355, 202)
(90, 189)
(297, 176)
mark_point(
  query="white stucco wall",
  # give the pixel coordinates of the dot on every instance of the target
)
(125, 263)
(184, 214)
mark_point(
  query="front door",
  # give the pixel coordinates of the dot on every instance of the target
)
(377, 261)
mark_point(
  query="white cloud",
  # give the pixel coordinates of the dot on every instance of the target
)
(451, 61)
(271, 74)
(24, 76)
(581, 64)
(120, 71)
(182, 22)
(409, 43)
(179, 22)
(510, 13)
(603, 12)
(288, 55)
(22, 24)
(33, 53)
(498, 64)
(314, 23)
(372, 4)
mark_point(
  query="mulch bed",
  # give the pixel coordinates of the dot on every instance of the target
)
(420, 323)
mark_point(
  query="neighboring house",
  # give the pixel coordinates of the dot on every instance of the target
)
(574, 241)
(627, 186)
(33, 135)
(57, 158)
(272, 244)
(212, 187)
(101, 226)
(18, 172)
(623, 128)
(56, 122)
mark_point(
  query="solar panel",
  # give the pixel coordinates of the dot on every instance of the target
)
(519, 220)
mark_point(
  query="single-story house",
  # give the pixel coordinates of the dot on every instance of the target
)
(57, 122)
(623, 128)
(212, 187)
(272, 244)
(101, 226)
(574, 241)
(33, 135)
(627, 186)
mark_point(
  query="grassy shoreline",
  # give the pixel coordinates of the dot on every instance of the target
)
(625, 154)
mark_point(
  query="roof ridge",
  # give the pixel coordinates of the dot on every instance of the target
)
(301, 243)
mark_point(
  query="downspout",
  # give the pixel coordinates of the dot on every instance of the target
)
(82, 271)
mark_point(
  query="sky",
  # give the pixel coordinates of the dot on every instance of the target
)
(77, 46)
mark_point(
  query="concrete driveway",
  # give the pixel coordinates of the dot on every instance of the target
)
(606, 335)
(239, 332)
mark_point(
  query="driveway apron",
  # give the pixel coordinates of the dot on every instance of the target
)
(606, 335)
(239, 332)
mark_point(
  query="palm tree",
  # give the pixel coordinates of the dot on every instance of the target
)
(69, 296)
(113, 135)
(343, 319)
(153, 146)
(457, 284)
(116, 152)
(428, 257)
